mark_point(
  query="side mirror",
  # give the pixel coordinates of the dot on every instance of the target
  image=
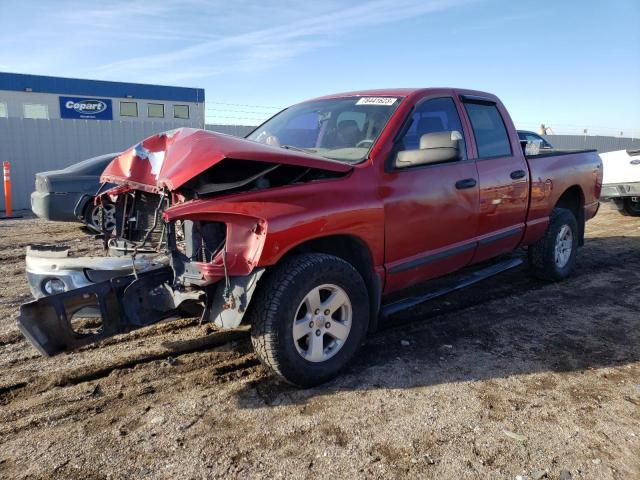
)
(438, 147)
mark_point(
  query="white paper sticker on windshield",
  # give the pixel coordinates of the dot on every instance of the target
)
(384, 101)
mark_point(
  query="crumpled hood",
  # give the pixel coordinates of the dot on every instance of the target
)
(172, 158)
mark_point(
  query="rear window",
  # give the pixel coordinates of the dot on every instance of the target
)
(489, 130)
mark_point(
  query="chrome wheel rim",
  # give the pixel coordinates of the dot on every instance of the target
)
(109, 213)
(564, 246)
(322, 323)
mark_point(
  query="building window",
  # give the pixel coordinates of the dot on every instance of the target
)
(3, 110)
(36, 110)
(128, 109)
(155, 110)
(181, 111)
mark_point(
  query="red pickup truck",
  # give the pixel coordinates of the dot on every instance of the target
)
(306, 228)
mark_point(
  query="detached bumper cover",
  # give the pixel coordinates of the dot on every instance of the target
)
(124, 303)
(53, 262)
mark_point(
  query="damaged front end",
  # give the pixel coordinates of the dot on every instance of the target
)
(170, 249)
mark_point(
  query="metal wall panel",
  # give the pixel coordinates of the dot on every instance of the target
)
(589, 142)
(34, 146)
(39, 145)
(235, 130)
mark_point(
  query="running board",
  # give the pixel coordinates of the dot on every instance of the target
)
(475, 277)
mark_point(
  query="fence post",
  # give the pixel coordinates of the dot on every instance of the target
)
(7, 189)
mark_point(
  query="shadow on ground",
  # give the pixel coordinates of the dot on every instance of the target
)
(508, 325)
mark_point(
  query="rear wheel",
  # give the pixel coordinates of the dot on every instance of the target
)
(553, 256)
(309, 317)
(631, 207)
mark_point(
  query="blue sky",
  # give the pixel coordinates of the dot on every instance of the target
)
(569, 64)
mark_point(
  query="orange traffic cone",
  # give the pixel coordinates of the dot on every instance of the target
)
(8, 207)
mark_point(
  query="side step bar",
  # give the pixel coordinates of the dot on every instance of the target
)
(477, 276)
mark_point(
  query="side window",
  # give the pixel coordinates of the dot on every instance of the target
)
(34, 110)
(435, 115)
(128, 109)
(181, 111)
(155, 110)
(3, 110)
(489, 130)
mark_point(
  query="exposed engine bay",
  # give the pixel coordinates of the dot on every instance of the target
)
(158, 262)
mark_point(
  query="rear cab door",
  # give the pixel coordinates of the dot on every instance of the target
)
(503, 176)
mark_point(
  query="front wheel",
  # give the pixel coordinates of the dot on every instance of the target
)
(309, 318)
(554, 255)
(93, 215)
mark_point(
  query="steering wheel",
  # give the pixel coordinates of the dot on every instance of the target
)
(367, 142)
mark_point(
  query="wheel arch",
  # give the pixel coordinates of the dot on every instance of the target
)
(87, 202)
(573, 199)
(354, 251)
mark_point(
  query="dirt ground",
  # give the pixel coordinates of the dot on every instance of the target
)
(510, 377)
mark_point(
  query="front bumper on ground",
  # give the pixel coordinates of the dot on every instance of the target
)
(104, 292)
(46, 263)
(124, 303)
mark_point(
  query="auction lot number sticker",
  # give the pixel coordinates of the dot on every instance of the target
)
(384, 101)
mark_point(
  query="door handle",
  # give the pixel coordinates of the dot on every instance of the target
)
(466, 183)
(518, 174)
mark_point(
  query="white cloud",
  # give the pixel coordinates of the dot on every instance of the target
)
(176, 41)
(263, 47)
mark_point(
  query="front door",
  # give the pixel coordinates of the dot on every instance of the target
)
(430, 210)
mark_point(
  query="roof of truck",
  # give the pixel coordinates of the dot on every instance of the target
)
(405, 92)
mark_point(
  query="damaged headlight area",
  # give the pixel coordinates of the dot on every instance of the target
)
(218, 253)
(207, 268)
(136, 222)
(206, 251)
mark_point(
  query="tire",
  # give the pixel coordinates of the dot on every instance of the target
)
(547, 262)
(92, 216)
(630, 208)
(282, 310)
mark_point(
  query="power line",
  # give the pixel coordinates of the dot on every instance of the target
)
(236, 111)
(237, 118)
(245, 105)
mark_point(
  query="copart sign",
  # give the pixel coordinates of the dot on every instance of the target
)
(86, 108)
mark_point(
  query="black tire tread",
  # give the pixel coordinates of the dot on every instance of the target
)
(267, 301)
(540, 252)
(627, 210)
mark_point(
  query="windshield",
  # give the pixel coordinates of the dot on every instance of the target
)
(341, 129)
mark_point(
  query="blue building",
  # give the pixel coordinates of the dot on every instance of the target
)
(48, 123)
(40, 97)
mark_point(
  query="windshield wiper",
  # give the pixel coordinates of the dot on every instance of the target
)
(291, 147)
